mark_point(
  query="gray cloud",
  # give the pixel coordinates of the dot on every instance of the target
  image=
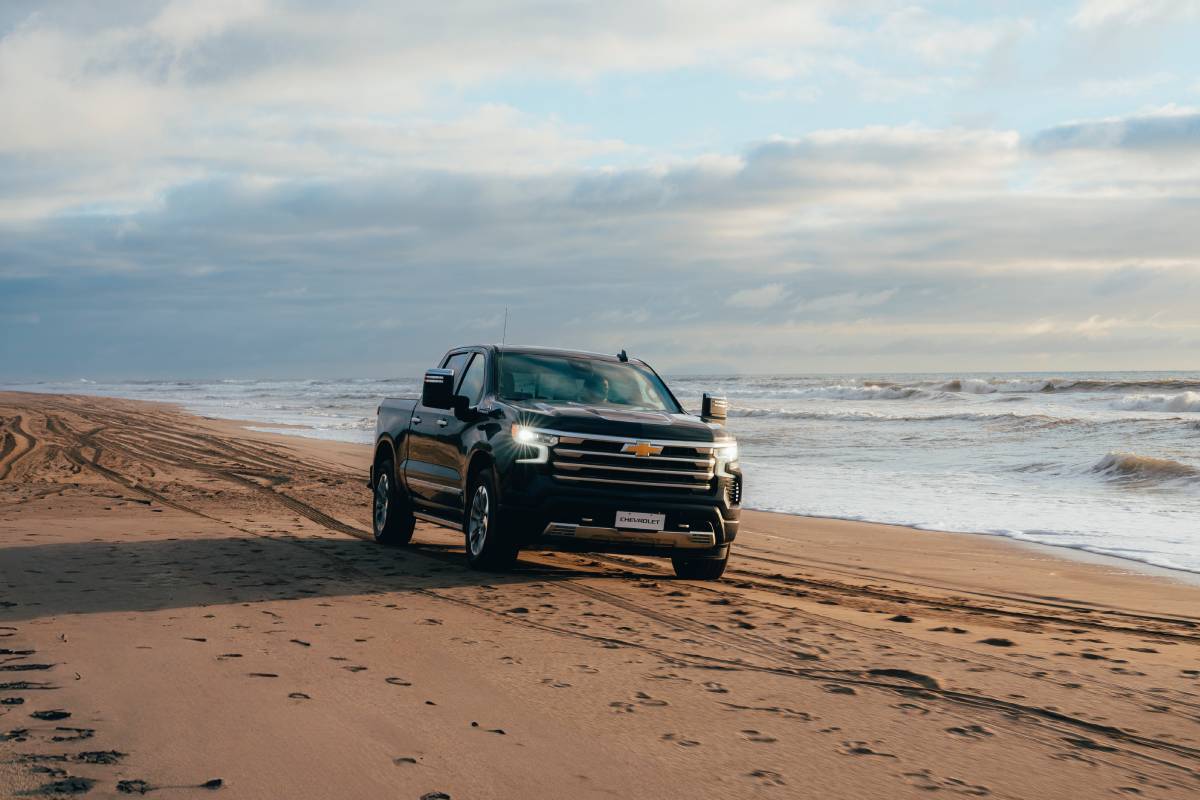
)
(1151, 133)
(224, 189)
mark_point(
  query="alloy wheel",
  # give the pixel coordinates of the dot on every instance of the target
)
(382, 497)
(477, 527)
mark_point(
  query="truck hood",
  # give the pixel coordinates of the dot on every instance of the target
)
(607, 421)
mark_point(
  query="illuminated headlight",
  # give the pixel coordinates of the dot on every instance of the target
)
(535, 439)
(726, 454)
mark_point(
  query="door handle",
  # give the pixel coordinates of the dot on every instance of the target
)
(442, 423)
(416, 420)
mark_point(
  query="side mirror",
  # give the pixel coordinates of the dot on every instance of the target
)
(438, 389)
(714, 409)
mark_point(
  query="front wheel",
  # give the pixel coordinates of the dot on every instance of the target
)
(487, 543)
(700, 569)
(392, 521)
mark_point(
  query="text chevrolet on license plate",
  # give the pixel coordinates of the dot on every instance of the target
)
(641, 521)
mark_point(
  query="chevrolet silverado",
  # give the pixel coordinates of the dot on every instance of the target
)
(523, 447)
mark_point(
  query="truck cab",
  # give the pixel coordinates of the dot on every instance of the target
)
(537, 448)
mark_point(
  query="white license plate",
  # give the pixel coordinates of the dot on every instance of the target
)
(641, 521)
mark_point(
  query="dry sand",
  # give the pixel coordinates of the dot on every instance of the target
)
(183, 601)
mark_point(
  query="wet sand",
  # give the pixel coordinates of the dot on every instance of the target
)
(193, 609)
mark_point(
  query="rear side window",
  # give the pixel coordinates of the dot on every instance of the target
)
(471, 386)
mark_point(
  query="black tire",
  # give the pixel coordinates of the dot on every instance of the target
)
(488, 543)
(392, 520)
(700, 569)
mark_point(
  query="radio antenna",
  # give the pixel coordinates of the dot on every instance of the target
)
(504, 335)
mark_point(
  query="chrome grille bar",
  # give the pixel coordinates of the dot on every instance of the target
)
(696, 487)
(580, 458)
(643, 470)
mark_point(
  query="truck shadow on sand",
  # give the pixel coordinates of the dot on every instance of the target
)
(105, 576)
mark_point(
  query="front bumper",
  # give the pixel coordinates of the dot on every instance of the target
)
(563, 533)
(544, 513)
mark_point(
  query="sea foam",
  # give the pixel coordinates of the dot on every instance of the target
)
(1184, 402)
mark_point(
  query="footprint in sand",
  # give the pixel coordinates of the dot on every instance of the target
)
(100, 757)
(67, 785)
(646, 700)
(861, 749)
(51, 716)
(767, 777)
(971, 732)
(72, 734)
(682, 741)
(925, 780)
(138, 786)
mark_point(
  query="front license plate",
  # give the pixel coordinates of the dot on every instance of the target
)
(641, 521)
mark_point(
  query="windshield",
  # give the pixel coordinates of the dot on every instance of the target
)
(566, 379)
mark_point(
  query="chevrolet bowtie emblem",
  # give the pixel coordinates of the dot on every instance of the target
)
(642, 449)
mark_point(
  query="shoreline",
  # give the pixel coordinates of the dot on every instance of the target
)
(1080, 554)
(1062, 551)
(198, 601)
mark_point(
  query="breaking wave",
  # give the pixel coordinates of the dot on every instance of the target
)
(1144, 469)
(1045, 385)
(1008, 386)
(1039, 420)
(1185, 402)
(957, 388)
(865, 391)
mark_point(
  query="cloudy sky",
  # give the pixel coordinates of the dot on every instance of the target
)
(278, 189)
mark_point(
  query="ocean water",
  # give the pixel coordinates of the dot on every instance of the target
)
(1103, 462)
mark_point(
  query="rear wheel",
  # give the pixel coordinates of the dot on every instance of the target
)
(392, 518)
(700, 569)
(489, 546)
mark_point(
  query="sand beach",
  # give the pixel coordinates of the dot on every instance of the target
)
(192, 608)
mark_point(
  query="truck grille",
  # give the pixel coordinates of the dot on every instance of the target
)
(601, 460)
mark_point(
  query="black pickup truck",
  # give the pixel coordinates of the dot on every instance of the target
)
(523, 447)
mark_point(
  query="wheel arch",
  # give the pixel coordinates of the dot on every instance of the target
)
(480, 458)
(385, 450)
